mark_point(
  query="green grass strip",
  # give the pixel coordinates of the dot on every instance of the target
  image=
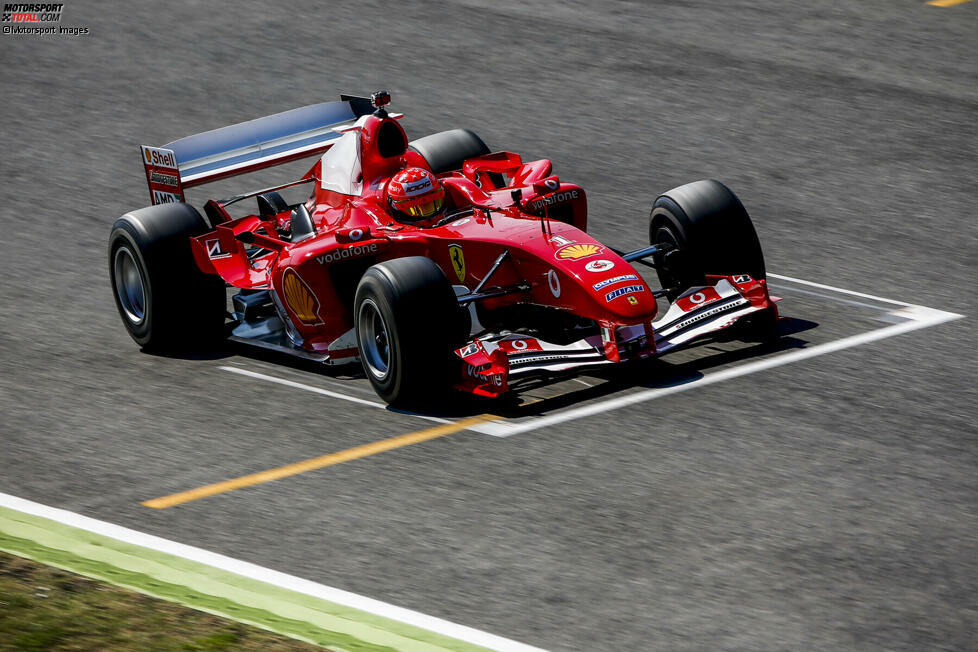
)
(213, 590)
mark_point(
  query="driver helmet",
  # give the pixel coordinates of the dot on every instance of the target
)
(415, 195)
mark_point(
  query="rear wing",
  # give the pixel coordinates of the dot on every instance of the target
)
(248, 146)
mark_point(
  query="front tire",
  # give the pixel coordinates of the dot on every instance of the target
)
(408, 322)
(166, 303)
(711, 233)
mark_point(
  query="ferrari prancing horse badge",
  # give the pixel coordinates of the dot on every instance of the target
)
(458, 261)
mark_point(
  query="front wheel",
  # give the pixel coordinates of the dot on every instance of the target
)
(408, 322)
(709, 231)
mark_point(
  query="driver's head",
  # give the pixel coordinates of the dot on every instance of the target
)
(415, 195)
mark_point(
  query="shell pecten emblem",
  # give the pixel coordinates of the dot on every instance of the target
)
(300, 299)
(577, 251)
(457, 256)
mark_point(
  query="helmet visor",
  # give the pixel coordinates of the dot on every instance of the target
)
(426, 209)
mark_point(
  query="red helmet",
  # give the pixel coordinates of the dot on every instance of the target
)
(415, 194)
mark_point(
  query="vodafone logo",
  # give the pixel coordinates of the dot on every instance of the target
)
(599, 265)
(552, 184)
(697, 299)
(356, 234)
(554, 283)
(520, 346)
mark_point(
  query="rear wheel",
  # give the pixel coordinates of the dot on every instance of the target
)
(408, 322)
(165, 301)
(448, 150)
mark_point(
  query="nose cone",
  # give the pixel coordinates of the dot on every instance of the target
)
(612, 284)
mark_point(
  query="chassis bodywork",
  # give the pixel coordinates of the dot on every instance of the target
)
(542, 295)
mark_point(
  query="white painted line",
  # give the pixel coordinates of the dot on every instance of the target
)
(840, 290)
(267, 575)
(826, 295)
(918, 316)
(326, 392)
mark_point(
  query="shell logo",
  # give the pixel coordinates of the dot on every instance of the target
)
(577, 251)
(146, 154)
(300, 298)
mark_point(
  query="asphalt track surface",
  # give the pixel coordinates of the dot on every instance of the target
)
(825, 504)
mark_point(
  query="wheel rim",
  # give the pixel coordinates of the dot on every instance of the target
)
(129, 286)
(665, 235)
(374, 339)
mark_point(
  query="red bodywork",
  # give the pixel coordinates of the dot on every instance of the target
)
(313, 281)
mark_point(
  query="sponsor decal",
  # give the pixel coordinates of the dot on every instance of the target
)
(417, 187)
(560, 240)
(585, 357)
(160, 197)
(554, 283)
(457, 256)
(620, 292)
(552, 184)
(740, 279)
(470, 349)
(163, 179)
(697, 299)
(615, 279)
(300, 299)
(577, 251)
(163, 158)
(520, 346)
(460, 222)
(550, 200)
(599, 265)
(515, 347)
(355, 251)
(356, 234)
(474, 372)
(633, 300)
(709, 313)
(214, 249)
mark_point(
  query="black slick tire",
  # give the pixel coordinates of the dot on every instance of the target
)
(166, 303)
(447, 150)
(408, 322)
(711, 232)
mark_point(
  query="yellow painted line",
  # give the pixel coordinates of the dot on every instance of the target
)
(317, 462)
(947, 3)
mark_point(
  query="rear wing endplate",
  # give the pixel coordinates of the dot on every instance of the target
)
(248, 146)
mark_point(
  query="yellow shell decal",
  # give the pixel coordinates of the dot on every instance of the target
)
(457, 257)
(577, 251)
(300, 298)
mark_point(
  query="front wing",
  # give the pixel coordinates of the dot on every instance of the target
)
(494, 363)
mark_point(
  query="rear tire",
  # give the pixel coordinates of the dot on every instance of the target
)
(165, 301)
(408, 322)
(711, 232)
(448, 150)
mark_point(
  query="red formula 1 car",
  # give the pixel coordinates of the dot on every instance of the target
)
(505, 284)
